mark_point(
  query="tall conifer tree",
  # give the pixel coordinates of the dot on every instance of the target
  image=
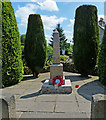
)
(12, 66)
(35, 44)
(102, 60)
(86, 39)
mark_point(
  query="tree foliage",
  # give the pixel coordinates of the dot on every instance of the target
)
(86, 39)
(35, 44)
(63, 41)
(23, 39)
(12, 66)
(102, 60)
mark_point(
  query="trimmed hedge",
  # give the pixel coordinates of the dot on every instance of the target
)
(102, 60)
(12, 66)
(86, 39)
(35, 44)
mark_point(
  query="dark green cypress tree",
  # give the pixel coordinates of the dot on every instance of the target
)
(102, 60)
(86, 39)
(12, 66)
(35, 44)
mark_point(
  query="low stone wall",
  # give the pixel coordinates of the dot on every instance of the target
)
(8, 107)
(98, 107)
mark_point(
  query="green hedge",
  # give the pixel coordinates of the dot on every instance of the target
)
(86, 39)
(35, 44)
(102, 60)
(12, 66)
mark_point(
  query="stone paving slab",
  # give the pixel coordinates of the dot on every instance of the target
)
(65, 98)
(46, 98)
(67, 107)
(81, 99)
(53, 115)
(84, 107)
(24, 105)
(42, 107)
(13, 91)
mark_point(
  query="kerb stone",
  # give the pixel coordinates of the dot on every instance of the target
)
(98, 107)
(8, 107)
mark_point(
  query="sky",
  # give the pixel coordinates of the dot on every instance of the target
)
(52, 13)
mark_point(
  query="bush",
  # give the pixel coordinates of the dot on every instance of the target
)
(69, 67)
(86, 39)
(46, 69)
(23, 39)
(102, 60)
(12, 66)
(27, 70)
(35, 44)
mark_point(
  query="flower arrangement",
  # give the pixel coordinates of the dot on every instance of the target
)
(58, 80)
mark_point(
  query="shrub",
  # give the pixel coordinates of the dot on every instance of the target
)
(27, 70)
(23, 39)
(69, 67)
(12, 66)
(102, 60)
(86, 39)
(35, 44)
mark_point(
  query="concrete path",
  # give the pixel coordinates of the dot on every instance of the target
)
(30, 103)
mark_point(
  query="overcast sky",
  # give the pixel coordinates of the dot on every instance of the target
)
(51, 13)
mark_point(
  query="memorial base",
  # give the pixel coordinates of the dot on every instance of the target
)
(64, 89)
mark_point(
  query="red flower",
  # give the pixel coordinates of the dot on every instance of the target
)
(60, 78)
(76, 86)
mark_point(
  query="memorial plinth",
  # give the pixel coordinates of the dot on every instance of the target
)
(56, 69)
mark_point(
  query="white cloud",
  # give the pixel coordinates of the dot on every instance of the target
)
(70, 39)
(49, 5)
(48, 38)
(67, 32)
(71, 23)
(23, 12)
(51, 21)
(100, 16)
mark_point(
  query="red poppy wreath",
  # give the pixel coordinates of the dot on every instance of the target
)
(58, 80)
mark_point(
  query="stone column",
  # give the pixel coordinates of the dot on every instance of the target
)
(56, 47)
(56, 69)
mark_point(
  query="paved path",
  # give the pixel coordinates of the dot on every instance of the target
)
(31, 104)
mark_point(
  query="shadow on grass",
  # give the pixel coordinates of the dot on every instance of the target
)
(91, 88)
(74, 78)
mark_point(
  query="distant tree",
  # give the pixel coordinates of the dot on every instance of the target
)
(63, 41)
(35, 44)
(102, 60)
(86, 39)
(23, 39)
(12, 66)
(102, 22)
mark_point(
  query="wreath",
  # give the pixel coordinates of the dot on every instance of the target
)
(57, 78)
